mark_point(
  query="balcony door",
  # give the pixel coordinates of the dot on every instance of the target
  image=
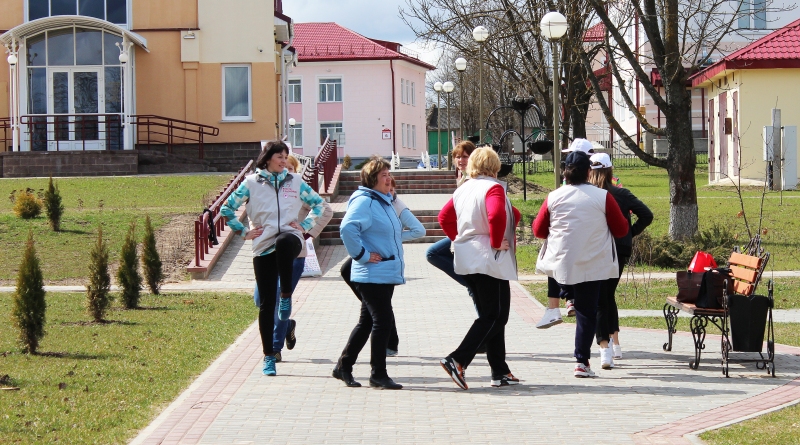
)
(76, 97)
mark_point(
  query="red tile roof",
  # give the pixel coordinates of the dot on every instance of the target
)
(779, 49)
(596, 33)
(318, 42)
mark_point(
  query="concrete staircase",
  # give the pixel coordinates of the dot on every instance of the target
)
(408, 182)
(428, 218)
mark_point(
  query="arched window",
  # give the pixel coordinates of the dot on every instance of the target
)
(114, 11)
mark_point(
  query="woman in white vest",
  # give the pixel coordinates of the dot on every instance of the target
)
(274, 198)
(481, 220)
(579, 223)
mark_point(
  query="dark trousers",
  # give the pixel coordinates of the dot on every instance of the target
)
(586, 296)
(493, 297)
(268, 268)
(377, 320)
(607, 313)
(555, 290)
(394, 339)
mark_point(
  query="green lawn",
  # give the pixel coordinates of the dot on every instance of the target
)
(103, 383)
(650, 294)
(716, 205)
(112, 202)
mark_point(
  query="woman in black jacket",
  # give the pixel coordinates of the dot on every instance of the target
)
(607, 314)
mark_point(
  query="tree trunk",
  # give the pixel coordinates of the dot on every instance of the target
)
(683, 217)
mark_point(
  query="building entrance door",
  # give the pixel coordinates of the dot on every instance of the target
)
(76, 99)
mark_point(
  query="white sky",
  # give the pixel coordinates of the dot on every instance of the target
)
(376, 19)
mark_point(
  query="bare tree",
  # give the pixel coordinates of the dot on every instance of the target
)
(517, 57)
(679, 38)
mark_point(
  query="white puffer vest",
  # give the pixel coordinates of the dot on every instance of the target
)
(580, 246)
(472, 247)
(273, 209)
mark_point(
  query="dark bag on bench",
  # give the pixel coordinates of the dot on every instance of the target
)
(711, 291)
(688, 286)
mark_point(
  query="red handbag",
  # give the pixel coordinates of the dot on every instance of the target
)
(701, 262)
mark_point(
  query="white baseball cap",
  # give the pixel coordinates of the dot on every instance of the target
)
(600, 160)
(579, 144)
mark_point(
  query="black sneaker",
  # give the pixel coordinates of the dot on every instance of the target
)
(278, 357)
(291, 340)
(455, 372)
(504, 380)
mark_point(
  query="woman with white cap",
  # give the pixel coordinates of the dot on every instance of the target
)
(607, 332)
(578, 222)
(555, 292)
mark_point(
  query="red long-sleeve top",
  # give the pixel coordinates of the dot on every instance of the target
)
(495, 209)
(617, 223)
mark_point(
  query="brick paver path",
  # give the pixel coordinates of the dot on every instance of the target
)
(650, 397)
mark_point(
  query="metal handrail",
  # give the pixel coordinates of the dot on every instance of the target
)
(201, 229)
(310, 175)
(86, 128)
(6, 137)
(151, 124)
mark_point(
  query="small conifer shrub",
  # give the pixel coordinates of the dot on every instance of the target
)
(28, 304)
(347, 162)
(53, 206)
(151, 261)
(98, 297)
(26, 204)
(130, 282)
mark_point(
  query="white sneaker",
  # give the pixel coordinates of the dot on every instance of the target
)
(617, 351)
(606, 358)
(551, 317)
(582, 371)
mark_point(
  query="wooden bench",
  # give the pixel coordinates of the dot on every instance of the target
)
(745, 271)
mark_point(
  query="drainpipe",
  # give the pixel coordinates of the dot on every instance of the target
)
(394, 125)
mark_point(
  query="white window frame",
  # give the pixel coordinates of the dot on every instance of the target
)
(249, 117)
(402, 91)
(339, 125)
(289, 87)
(414, 136)
(413, 96)
(128, 11)
(341, 87)
(294, 132)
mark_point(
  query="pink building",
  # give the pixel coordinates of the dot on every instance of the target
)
(370, 91)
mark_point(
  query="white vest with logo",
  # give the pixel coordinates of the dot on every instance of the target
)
(273, 209)
(580, 246)
(472, 248)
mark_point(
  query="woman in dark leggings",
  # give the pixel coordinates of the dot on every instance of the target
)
(273, 199)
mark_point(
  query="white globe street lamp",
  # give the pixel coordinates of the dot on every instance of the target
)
(438, 88)
(553, 27)
(461, 66)
(480, 34)
(292, 122)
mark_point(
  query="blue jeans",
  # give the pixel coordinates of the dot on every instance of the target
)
(280, 330)
(440, 256)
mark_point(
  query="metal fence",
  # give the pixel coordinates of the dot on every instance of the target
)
(620, 161)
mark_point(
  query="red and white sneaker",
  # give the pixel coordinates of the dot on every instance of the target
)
(455, 371)
(583, 371)
(570, 308)
(504, 380)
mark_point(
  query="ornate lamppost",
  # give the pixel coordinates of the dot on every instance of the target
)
(461, 66)
(438, 88)
(554, 26)
(448, 88)
(480, 34)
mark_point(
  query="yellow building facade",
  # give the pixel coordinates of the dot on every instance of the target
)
(78, 69)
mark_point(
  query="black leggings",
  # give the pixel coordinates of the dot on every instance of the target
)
(607, 313)
(268, 268)
(376, 321)
(394, 339)
(494, 302)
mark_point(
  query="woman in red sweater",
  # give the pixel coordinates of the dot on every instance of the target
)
(481, 220)
(579, 251)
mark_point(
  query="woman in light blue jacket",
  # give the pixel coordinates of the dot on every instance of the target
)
(373, 235)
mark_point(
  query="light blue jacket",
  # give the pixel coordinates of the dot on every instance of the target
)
(371, 224)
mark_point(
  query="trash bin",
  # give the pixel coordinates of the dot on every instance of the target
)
(748, 321)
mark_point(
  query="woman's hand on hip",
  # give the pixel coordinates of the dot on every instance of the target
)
(254, 233)
(504, 245)
(374, 258)
(297, 226)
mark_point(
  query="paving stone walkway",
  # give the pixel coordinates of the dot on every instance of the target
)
(650, 397)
